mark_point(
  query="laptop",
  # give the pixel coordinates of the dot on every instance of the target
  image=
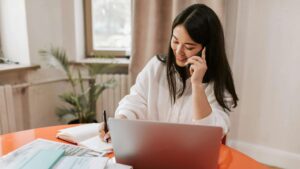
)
(158, 145)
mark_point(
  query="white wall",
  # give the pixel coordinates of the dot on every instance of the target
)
(58, 23)
(73, 28)
(0, 27)
(14, 37)
(265, 64)
(44, 26)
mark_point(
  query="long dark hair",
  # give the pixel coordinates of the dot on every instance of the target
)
(204, 27)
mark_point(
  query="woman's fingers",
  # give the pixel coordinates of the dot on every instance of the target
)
(103, 136)
(195, 59)
(203, 54)
(107, 137)
(198, 64)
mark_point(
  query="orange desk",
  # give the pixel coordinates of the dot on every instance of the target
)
(229, 158)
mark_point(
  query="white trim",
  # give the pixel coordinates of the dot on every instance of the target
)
(267, 155)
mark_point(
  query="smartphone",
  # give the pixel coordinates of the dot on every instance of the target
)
(198, 54)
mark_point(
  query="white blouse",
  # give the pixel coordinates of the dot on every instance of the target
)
(149, 99)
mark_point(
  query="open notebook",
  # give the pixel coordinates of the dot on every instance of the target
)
(86, 135)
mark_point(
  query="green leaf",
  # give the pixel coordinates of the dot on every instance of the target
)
(83, 102)
(60, 112)
(101, 87)
(80, 80)
(69, 98)
(60, 56)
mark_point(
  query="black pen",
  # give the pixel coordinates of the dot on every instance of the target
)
(105, 123)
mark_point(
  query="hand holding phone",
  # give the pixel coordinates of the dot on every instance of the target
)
(199, 68)
(198, 54)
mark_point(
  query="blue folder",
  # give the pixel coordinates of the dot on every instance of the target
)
(44, 159)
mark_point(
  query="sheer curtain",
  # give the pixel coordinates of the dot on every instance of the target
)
(151, 27)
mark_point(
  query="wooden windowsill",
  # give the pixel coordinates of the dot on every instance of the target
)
(120, 65)
(4, 68)
(117, 61)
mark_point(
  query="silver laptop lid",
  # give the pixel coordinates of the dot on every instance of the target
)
(157, 145)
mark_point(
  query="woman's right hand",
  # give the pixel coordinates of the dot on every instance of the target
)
(104, 136)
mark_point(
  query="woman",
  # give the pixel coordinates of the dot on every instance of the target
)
(193, 83)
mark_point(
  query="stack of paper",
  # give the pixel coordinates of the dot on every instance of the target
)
(81, 163)
(44, 154)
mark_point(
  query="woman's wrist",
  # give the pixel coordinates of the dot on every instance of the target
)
(198, 86)
(201, 105)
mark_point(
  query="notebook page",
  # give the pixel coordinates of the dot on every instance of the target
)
(96, 144)
(79, 133)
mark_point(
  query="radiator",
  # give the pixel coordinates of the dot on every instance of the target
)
(110, 98)
(7, 111)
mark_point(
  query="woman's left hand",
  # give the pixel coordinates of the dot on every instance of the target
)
(198, 67)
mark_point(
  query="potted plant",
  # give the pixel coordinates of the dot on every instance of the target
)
(81, 101)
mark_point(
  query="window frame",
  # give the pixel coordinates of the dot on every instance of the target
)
(88, 24)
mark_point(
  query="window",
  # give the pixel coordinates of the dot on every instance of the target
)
(108, 27)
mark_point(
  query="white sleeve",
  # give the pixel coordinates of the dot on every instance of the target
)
(134, 105)
(218, 117)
